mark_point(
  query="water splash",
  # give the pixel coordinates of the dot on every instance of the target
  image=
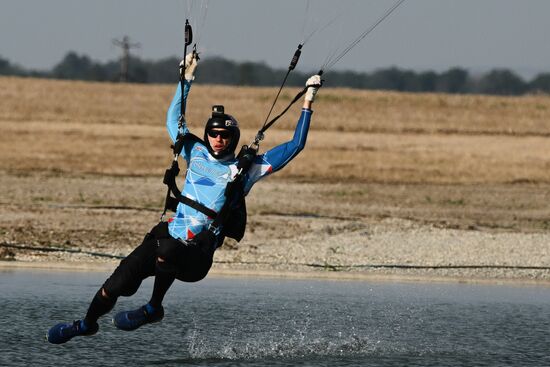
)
(243, 343)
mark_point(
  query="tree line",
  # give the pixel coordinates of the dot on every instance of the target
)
(217, 70)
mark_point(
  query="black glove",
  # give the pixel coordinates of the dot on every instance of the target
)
(245, 158)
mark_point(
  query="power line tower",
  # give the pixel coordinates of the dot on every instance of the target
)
(126, 45)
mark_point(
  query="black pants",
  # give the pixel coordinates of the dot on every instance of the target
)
(191, 262)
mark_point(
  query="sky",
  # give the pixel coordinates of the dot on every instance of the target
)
(421, 34)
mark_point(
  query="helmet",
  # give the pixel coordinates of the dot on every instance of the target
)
(222, 121)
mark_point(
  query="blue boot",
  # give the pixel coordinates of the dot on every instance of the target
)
(131, 320)
(62, 333)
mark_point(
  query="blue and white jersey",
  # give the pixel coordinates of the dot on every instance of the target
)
(207, 177)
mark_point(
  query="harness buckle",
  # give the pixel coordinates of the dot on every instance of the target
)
(214, 229)
(181, 120)
(259, 137)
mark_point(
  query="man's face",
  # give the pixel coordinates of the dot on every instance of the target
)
(219, 139)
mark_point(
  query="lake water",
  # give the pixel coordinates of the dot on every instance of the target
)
(261, 322)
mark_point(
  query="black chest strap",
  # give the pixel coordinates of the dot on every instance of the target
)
(173, 202)
(170, 175)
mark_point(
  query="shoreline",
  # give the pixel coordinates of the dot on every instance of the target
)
(364, 276)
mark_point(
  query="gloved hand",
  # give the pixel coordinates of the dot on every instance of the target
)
(191, 61)
(313, 84)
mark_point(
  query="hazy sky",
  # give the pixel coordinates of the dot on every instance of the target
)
(421, 34)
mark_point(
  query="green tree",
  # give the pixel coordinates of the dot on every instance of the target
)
(7, 68)
(428, 81)
(455, 80)
(385, 79)
(501, 82)
(73, 66)
(541, 83)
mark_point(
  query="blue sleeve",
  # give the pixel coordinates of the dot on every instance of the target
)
(279, 156)
(174, 111)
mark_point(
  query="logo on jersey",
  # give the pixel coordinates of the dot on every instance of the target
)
(204, 181)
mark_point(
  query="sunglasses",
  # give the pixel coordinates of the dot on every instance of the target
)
(224, 134)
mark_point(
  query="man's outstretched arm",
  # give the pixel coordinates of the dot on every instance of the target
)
(174, 111)
(278, 157)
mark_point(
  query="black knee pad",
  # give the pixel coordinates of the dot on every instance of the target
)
(115, 289)
(121, 283)
(168, 250)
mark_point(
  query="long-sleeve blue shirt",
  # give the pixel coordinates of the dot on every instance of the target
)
(207, 177)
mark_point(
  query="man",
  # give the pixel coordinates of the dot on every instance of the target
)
(183, 247)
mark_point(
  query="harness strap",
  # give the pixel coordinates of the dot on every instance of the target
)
(170, 180)
(260, 134)
(172, 202)
(234, 191)
(197, 206)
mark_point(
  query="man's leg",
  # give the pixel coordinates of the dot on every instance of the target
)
(100, 305)
(163, 280)
(124, 281)
(188, 262)
(175, 260)
(169, 251)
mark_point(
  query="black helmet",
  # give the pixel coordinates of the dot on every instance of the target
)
(222, 121)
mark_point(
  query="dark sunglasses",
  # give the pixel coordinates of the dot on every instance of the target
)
(224, 134)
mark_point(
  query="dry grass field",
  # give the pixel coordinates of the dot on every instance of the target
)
(383, 137)
(81, 165)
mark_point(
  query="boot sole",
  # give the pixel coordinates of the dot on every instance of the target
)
(137, 327)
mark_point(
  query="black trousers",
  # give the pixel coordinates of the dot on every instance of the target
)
(191, 262)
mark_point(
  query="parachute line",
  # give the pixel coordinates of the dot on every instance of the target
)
(304, 23)
(202, 20)
(320, 29)
(333, 60)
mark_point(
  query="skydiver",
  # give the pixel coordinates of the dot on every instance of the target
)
(183, 247)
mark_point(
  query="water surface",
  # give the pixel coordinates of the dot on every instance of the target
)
(261, 322)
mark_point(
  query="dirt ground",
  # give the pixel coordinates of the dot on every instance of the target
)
(408, 185)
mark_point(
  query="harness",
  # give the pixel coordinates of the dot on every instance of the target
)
(230, 221)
